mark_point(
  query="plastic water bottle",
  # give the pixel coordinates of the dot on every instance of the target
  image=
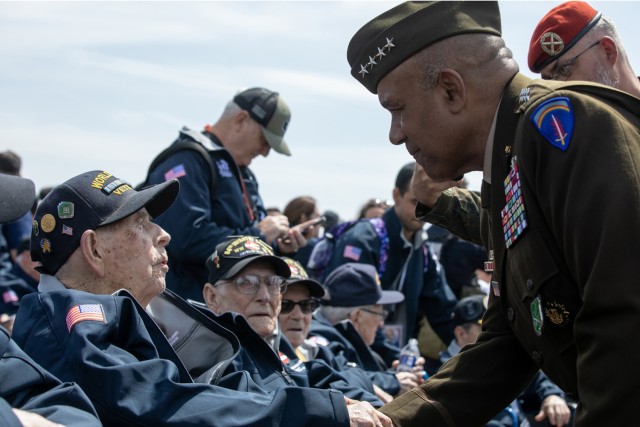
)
(408, 356)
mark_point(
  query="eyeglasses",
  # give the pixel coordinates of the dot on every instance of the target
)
(307, 306)
(383, 313)
(562, 72)
(249, 284)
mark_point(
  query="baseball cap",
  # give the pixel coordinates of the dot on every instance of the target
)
(399, 33)
(270, 111)
(469, 310)
(354, 284)
(299, 276)
(86, 202)
(560, 29)
(237, 252)
(16, 197)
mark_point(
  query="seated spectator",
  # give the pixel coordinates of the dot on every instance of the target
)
(29, 395)
(245, 277)
(95, 237)
(349, 318)
(13, 231)
(467, 318)
(460, 260)
(374, 208)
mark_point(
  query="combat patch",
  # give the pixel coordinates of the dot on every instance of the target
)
(554, 120)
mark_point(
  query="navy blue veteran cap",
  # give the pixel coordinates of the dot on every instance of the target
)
(237, 252)
(354, 285)
(299, 276)
(86, 202)
(394, 36)
(16, 197)
(470, 310)
(270, 111)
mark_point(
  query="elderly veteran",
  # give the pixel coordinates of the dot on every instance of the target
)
(93, 236)
(29, 395)
(563, 293)
(245, 277)
(349, 317)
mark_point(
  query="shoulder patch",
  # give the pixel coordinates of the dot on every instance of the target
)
(554, 120)
(175, 172)
(82, 312)
(318, 340)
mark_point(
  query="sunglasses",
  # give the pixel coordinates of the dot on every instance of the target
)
(307, 306)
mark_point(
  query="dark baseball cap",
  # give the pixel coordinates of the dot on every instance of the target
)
(470, 310)
(270, 111)
(399, 33)
(86, 202)
(235, 253)
(354, 284)
(299, 276)
(16, 197)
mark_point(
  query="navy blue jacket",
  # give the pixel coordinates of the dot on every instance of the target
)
(196, 227)
(134, 377)
(272, 371)
(349, 348)
(425, 287)
(27, 386)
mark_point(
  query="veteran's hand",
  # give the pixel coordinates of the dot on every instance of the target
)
(556, 410)
(30, 419)
(425, 189)
(362, 414)
(291, 242)
(273, 227)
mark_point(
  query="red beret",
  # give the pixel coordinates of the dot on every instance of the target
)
(560, 29)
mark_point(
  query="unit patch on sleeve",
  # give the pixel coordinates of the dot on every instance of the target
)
(554, 120)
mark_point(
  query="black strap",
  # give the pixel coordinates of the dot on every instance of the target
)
(181, 144)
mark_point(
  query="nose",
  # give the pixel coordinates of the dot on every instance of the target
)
(163, 237)
(396, 135)
(296, 313)
(263, 294)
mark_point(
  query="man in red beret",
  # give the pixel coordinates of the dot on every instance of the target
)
(576, 42)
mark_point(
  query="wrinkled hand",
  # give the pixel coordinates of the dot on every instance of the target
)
(362, 414)
(273, 227)
(293, 241)
(425, 189)
(382, 395)
(407, 380)
(556, 410)
(29, 419)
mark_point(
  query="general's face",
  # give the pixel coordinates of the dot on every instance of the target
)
(260, 309)
(421, 119)
(295, 324)
(135, 255)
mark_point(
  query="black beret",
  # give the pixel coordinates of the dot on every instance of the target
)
(389, 39)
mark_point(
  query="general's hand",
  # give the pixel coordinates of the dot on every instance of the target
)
(362, 414)
(273, 227)
(29, 419)
(425, 189)
(555, 408)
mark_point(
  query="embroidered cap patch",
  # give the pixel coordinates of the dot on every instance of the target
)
(554, 120)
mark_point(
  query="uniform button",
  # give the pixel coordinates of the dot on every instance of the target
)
(537, 357)
(529, 284)
(511, 315)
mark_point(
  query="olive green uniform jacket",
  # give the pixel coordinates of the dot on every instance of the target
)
(578, 255)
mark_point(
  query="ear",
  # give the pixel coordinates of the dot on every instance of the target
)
(459, 332)
(396, 196)
(610, 49)
(240, 120)
(452, 88)
(209, 292)
(93, 253)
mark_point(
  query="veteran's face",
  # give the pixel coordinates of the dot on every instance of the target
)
(260, 309)
(135, 255)
(295, 325)
(422, 120)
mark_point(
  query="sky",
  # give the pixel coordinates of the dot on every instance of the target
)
(107, 85)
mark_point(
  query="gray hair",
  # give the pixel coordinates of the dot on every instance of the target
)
(335, 314)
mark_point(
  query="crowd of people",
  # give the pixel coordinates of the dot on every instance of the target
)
(186, 299)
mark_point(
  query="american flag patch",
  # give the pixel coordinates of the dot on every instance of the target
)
(175, 173)
(352, 252)
(82, 312)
